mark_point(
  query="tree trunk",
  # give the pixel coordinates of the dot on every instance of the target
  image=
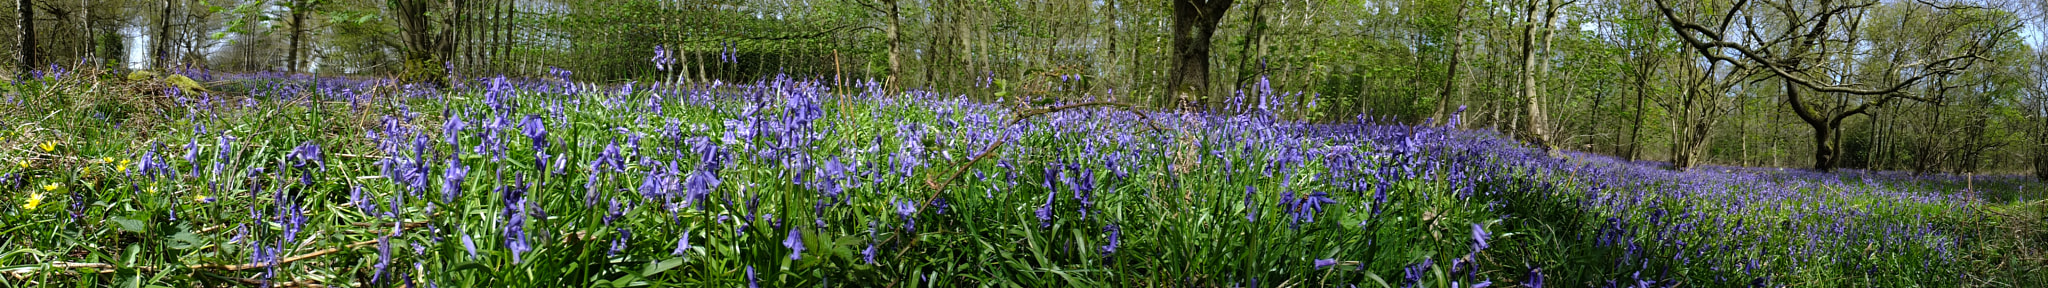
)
(2041, 152)
(1252, 37)
(421, 63)
(1824, 154)
(1635, 133)
(1444, 94)
(91, 40)
(895, 38)
(504, 18)
(450, 37)
(25, 42)
(1532, 94)
(298, 31)
(162, 47)
(1194, 24)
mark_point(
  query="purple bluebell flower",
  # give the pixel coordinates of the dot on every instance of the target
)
(619, 242)
(383, 258)
(1413, 273)
(1535, 275)
(1304, 209)
(192, 155)
(152, 166)
(906, 209)
(1479, 237)
(469, 244)
(751, 281)
(661, 59)
(515, 215)
(1325, 263)
(795, 243)
(868, 255)
(451, 130)
(610, 158)
(1045, 211)
(700, 184)
(294, 220)
(1084, 189)
(535, 129)
(1251, 213)
(451, 179)
(1115, 238)
(682, 244)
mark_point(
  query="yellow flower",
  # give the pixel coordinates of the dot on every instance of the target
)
(23, 163)
(107, 160)
(48, 147)
(123, 168)
(51, 187)
(34, 200)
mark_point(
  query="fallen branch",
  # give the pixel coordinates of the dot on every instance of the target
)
(109, 268)
(303, 283)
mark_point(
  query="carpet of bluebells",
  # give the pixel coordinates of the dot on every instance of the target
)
(274, 180)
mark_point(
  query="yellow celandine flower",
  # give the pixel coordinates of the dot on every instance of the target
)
(107, 160)
(50, 146)
(51, 187)
(23, 163)
(123, 168)
(34, 200)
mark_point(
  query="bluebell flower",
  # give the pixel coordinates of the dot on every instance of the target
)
(1304, 209)
(534, 129)
(294, 220)
(795, 243)
(451, 130)
(619, 242)
(515, 218)
(610, 158)
(682, 244)
(469, 245)
(1251, 212)
(451, 179)
(1535, 275)
(1045, 211)
(149, 165)
(700, 184)
(1413, 273)
(751, 282)
(1115, 238)
(1479, 237)
(906, 209)
(1325, 263)
(383, 258)
(192, 155)
(1084, 189)
(661, 59)
(834, 171)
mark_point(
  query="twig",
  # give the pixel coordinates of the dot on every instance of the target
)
(303, 283)
(109, 268)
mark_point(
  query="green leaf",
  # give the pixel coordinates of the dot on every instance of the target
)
(625, 280)
(471, 265)
(130, 225)
(658, 267)
(184, 240)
